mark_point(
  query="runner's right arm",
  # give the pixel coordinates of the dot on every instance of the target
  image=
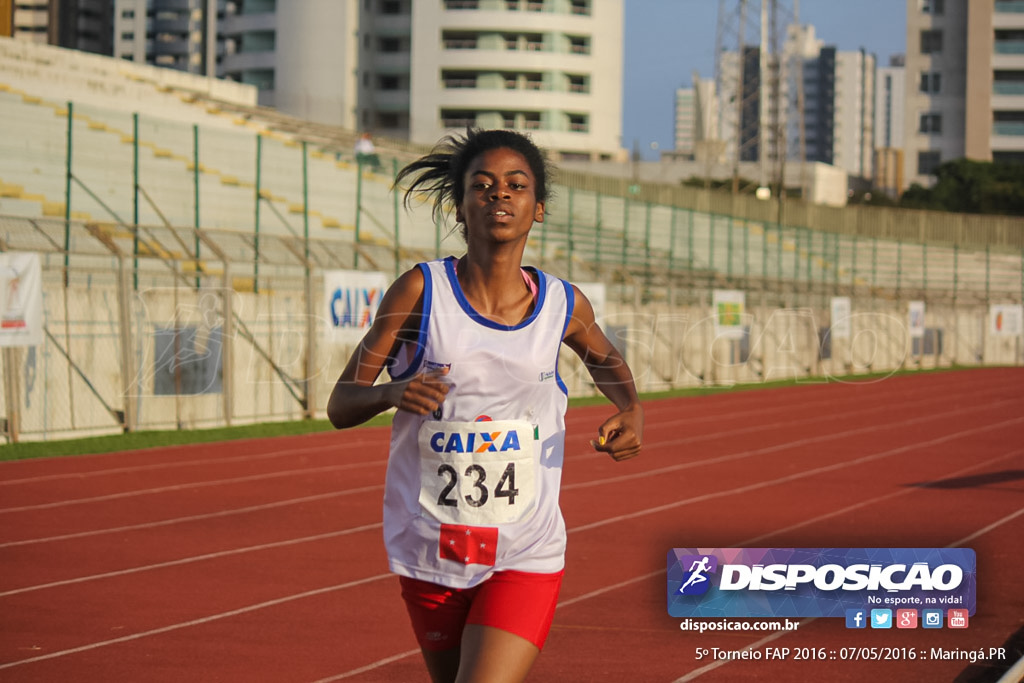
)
(356, 398)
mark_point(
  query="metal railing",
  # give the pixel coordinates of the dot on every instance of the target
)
(169, 243)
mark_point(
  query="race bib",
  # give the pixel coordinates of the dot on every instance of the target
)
(477, 473)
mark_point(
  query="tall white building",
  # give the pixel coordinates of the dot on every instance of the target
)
(30, 21)
(75, 24)
(412, 70)
(965, 74)
(696, 119)
(304, 61)
(550, 67)
(178, 35)
(825, 104)
(890, 94)
(853, 120)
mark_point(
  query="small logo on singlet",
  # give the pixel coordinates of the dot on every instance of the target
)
(545, 376)
(434, 366)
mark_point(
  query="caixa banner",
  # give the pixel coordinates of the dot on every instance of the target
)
(817, 582)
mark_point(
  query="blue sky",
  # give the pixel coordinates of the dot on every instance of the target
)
(666, 40)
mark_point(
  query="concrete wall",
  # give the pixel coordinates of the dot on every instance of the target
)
(669, 345)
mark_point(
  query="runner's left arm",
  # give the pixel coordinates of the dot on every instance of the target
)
(620, 435)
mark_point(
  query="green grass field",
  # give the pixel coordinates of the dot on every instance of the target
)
(154, 439)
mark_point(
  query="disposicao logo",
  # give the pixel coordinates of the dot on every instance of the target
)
(696, 581)
(784, 582)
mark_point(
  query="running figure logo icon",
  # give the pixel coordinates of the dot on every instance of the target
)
(695, 581)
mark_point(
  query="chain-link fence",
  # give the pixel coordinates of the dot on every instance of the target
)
(211, 311)
(182, 341)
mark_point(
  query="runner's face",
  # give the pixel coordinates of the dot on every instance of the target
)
(500, 199)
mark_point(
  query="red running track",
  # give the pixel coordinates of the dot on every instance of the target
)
(262, 560)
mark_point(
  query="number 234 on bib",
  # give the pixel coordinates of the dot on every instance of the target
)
(477, 472)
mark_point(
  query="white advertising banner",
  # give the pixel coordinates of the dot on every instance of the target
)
(1007, 320)
(915, 319)
(21, 299)
(729, 305)
(352, 298)
(841, 311)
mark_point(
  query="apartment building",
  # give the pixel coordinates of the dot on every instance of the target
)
(74, 24)
(696, 119)
(175, 34)
(549, 67)
(853, 121)
(965, 77)
(405, 69)
(813, 101)
(890, 94)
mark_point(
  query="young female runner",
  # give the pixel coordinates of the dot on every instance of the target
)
(471, 519)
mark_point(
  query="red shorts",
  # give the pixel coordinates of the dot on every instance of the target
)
(522, 603)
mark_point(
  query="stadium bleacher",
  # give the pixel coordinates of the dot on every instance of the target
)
(199, 187)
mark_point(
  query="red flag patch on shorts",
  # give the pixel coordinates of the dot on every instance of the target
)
(469, 544)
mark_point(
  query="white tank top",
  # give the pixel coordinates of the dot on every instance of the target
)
(473, 488)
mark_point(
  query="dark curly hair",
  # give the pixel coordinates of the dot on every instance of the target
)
(441, 173)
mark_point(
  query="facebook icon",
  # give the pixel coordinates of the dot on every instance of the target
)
(856, 618)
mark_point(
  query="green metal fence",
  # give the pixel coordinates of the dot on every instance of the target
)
(146, 225)
(126, 169)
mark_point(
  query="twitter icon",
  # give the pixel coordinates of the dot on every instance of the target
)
(881, 618)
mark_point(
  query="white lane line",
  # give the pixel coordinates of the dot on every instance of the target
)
(200, 621)
(75, 476)
(610, 480)
(650, 575)
(875, 427)
(607, 589)
(196, 558)
(751, 542)
(565, 487)
(564, 603)
(814, 418)
(584, 527)
(140, 492)
(799, 475)
(179, 487)
(176, 464)
(362, 581)
(1015, 674)
(377, 525)
(345, 444)
(893, 397)
(849, 508)
(197, 518)
(981, 532)
(370, 667)
(331, 468)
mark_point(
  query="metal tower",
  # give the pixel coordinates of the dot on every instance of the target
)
(758, 82)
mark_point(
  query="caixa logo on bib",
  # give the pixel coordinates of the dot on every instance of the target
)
(816, 582)
(475, 442)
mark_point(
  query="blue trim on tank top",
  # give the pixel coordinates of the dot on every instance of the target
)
(570, 305)
(421, 338)
(460, 297)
